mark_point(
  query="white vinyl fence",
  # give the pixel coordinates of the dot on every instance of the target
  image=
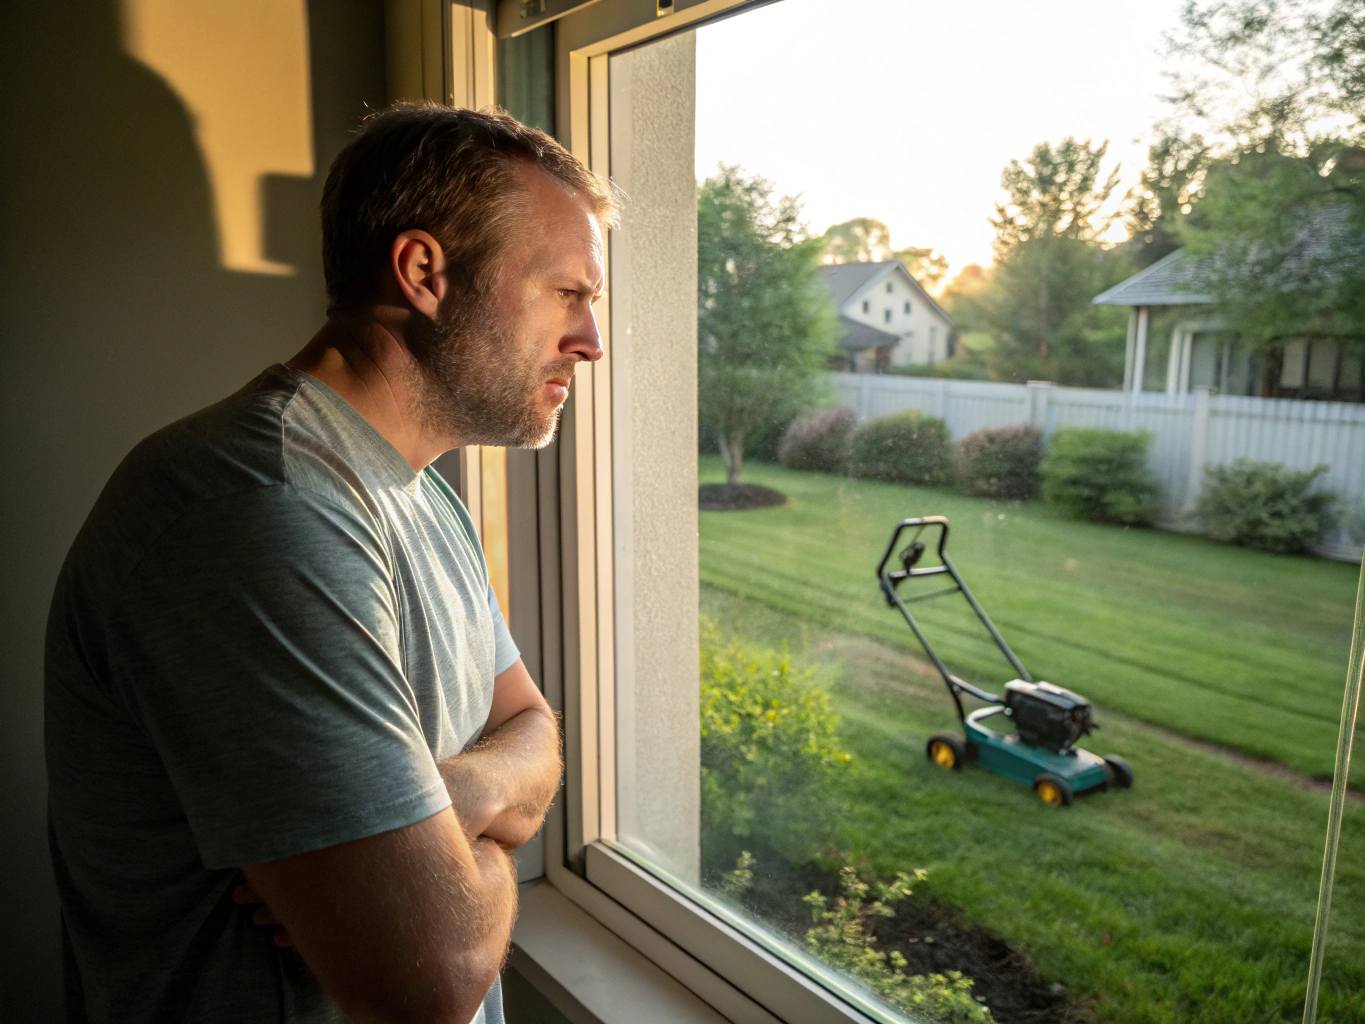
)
(1188, 431)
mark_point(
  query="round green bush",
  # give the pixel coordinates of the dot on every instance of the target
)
(1100, 475)
(906, 447)
(1265, 506)
(818, 440)
(1000, 462)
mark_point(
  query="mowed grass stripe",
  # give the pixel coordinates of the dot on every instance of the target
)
(1188, 898)
(1225, 645)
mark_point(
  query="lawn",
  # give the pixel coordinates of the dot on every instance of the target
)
(1188, 898)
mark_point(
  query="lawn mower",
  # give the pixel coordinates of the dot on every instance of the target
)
(1047, 721)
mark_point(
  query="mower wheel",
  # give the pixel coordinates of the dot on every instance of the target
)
(946, 750)
(1119, 772)
(1052, 790)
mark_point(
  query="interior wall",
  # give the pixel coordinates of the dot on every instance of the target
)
(131, 294)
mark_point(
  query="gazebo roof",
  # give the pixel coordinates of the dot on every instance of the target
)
(1167, 282)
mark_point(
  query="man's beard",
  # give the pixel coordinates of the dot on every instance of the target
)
(478, 381)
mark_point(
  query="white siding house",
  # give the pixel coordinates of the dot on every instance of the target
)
(888, 319)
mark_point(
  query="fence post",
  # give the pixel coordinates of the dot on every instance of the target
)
(864, 396)
(1199, 439)
(941, 400)
(1037, 403)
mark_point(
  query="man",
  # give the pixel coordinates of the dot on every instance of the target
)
(289, 738)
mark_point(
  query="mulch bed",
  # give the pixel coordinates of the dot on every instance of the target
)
(934, 937)
(737, 497)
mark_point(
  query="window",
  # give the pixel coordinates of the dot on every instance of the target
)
(907, 308)
(886, 316)
(888, 287)
(867, 305)
(716, 849)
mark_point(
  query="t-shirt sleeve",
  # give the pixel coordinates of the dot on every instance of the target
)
(507, 652)
(258, 643)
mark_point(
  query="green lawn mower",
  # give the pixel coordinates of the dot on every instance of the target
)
(1038, 747)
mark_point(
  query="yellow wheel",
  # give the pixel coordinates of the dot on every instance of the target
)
(1052, 790)
(946, 751)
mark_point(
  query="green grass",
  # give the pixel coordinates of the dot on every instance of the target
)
(1204, 876)
(1235, 647)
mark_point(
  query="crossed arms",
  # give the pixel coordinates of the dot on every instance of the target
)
(412, 925)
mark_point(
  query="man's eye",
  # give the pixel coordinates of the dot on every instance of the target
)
(566, 292)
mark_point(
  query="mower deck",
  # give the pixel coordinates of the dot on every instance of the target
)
(1008, 755)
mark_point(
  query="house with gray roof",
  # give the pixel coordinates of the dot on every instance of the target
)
(886, 317)
(1176, 343)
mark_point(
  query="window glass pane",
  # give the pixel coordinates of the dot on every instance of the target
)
(526, 77)
(1113, 806)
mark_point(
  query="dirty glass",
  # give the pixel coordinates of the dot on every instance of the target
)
(999, 703)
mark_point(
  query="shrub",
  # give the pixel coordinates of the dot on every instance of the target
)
(906, 447)
(768, 742)
(1263, 505)
(818, 440)
(843, 937)
(1100, 475)
(1000, 462)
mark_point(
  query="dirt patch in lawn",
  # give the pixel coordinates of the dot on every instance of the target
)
(934, 937)
(737, 497)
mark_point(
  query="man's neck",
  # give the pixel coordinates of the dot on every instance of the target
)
(361, 358)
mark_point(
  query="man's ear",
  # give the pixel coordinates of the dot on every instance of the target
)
(418, 266)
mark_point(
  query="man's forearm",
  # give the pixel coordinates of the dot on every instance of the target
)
(503, 786)
(405, 926)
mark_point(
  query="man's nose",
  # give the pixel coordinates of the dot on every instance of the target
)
(584, 340)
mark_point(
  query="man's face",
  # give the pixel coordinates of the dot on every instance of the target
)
(496, 371)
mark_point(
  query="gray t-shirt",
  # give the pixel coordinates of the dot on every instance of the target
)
(267, 633)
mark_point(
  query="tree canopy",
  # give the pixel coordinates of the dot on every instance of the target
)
(765, 327)
(1274, 202)
(1049, 264)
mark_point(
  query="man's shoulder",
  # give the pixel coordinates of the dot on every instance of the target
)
(233, 448)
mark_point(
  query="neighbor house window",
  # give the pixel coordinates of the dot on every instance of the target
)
(907, 307)
(867, 305)
(886, 316)
(888, 287)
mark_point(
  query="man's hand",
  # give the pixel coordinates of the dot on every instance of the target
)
(245, 896)
(502, 787)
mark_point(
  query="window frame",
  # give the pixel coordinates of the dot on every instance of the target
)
(702, 944)
(706, 948)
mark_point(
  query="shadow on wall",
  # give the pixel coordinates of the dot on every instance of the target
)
(117, 317)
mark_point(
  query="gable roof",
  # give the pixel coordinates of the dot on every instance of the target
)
(859, 336)
(1167, 282)
(845, 280)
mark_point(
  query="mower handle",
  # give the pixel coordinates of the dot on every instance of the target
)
(897, 575)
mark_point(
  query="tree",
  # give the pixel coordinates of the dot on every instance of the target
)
(1279, 219)
(1281, 243)
(864, 240)
(1049, 264)
(1165, 194)
(765, 329)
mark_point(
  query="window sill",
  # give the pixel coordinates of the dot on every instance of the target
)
(588, 973)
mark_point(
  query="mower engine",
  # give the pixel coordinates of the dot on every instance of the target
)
(1048, 716)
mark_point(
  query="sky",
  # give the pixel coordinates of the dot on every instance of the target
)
(907, 111)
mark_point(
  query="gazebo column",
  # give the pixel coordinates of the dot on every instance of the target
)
(1137, 329)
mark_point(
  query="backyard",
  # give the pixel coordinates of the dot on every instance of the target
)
(1217, 672)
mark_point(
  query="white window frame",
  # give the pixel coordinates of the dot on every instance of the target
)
(724, 959)
(727, 961)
